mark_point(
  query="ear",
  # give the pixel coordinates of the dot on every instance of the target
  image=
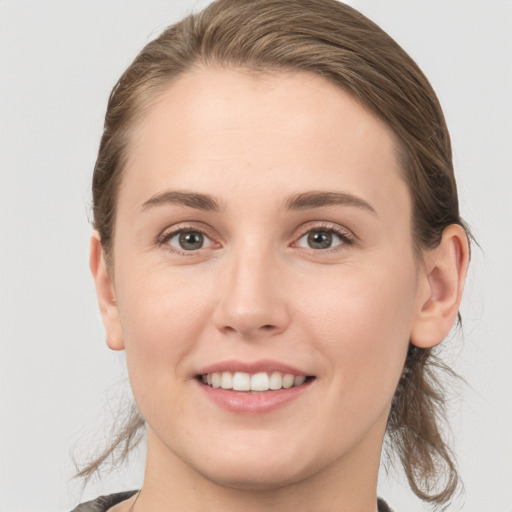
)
(445, 270)
(105, 294)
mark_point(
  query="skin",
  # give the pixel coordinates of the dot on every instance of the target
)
(256, 289)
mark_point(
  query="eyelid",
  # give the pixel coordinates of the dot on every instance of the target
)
(170, 232)
(345, 234)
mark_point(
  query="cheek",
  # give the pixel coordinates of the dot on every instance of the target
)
(162, 316)
(362, 321)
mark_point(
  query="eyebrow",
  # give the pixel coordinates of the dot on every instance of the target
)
(302, 201)
(190, 199)
(318, 199)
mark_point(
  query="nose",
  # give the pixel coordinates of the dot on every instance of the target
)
(252, 300)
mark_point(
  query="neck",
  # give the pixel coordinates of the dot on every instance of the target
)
(347, 484)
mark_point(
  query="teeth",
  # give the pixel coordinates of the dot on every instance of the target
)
(259, 382)
(226, 380)
(216, 378)
(241, 381)
(276, 380)
(288, 381)
(299, 380)
(262, 381)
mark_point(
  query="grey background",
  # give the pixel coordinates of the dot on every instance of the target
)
(59, 384)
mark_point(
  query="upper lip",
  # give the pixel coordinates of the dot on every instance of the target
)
(261, 365)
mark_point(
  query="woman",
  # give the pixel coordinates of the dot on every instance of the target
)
(278, 248)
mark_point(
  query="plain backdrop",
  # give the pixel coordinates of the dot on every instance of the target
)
(59, 383)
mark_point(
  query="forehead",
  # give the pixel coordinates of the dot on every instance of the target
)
(216, 129)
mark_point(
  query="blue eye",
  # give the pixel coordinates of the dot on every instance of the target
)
(187, 240)
(321, 239)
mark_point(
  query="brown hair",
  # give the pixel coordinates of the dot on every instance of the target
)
(333, 40)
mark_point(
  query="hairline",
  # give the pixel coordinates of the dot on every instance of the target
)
(256, 71)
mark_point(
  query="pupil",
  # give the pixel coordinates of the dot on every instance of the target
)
(191, 240)
(320, 240)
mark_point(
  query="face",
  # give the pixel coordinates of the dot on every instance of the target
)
(263, 242)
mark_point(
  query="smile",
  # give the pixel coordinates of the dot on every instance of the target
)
(261, 381)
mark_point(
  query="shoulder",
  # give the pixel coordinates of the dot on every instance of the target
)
(383, 506)
(103, 503)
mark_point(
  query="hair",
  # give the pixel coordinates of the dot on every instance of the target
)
(330, 39)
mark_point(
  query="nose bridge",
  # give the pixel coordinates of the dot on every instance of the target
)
(252, 300)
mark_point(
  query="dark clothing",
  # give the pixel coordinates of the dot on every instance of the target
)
(103, 503)
(383, 506)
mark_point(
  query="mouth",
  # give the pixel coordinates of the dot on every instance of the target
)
(253, 388)
(252, 382)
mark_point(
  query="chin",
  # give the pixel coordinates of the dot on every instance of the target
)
(253, 466)
(257, 477)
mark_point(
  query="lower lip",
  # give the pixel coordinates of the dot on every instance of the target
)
(244, 402)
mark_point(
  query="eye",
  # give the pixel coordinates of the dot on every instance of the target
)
(189, 240)
(322, 239)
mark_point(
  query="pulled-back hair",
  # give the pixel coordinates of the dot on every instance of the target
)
(334, 41)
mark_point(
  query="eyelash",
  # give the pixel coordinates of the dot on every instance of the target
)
(166, 236)
(344, 235)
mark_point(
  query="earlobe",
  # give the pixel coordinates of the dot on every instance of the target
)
(443, 282)
(105, 293)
